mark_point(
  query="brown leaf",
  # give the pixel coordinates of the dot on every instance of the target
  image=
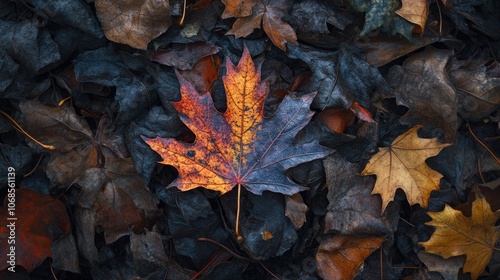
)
(402, 165)
(148, 252)
(456, 235)
(448, 268)
(39, 221)
(341, 256)
(204, 73)
(295, 210)
(415, 11)
(134, 23)
(239, 147)
(238, 8)
(337, 119)
(478, 88)
(423, 86)
(266, 14)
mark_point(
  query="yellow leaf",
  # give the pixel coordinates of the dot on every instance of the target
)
(456, 235)
(402, 165)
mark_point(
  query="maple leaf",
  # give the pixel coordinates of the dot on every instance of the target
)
(267, 14)
(473, 236)
(402, 165)
(41, 219)
(240, 147)
(341, 256)
(134, 23)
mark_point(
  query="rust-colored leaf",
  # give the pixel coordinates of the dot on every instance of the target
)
(204, 73)
(402, 165)
(341, 256)
(39, 220)
(296, 210)
(415, 11)
(239, 146)
(238, 8)
(265, 14)
(134, 23)
(456, 235)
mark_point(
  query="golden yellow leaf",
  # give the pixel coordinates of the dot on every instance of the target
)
(415, 11)
(456, 235)
(402, 165)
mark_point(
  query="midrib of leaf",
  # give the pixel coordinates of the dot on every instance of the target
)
(468, 235)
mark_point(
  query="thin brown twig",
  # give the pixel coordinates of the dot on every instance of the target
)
(482, 144)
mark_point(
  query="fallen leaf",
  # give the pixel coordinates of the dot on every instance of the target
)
(337, 119)
(238, 8)
(40, 220)
(473, 236)
(402, 165)
(184, 57)
(415, 12)
(448, 268)
(134, 23)
(204, 73)
(341, 256)
(478, 88)
(381, 14)
(422, 85)
(148, 252)
(295, 210)
(265, 14)
(239, 147)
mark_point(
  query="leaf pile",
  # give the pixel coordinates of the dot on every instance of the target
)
(250, 139)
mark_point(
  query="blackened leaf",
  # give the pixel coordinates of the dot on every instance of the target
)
(148, 252)
(313, 16)
(25, 44)
(266, 231)
(134, 23)
(155, 123)
(76, 14)
(106, 68)
(423, 86)
(8, 69)
(13, 156)
(471, 16)
(184, 57)
(340, 78)
(381, 13)
(352, 208)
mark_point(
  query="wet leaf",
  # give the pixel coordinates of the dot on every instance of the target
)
(184, 57)
(402, 165)
(40, 220)
(239, 147)
(456, 234)
(133, 23)
(341, 256)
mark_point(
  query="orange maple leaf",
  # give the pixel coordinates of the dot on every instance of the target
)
(402, 165)
(456, 235)
(239, 147)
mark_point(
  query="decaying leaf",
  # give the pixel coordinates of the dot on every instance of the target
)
(265, 14)
(239, 147)
(295, 210)
(39, 221)
(473, 236)
(402, 165)
(134, 23)
(341, 256)
(415, 11)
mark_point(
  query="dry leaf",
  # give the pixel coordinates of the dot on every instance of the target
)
(456, 235)
(296, 210)
(238, 8)
(402, 165)
(134, 23)
(415, 11)
(341, 256)
(238, 147)
(266, 14)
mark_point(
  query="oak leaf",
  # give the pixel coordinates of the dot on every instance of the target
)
(473, 236)
(341, 256)
(40, 220)
(239, 147)
(265, 14)
(402, 165)
(134, 23)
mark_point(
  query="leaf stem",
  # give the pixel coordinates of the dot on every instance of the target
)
(183, 13)
(484, 145)
(20, 129)
(238, 207)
